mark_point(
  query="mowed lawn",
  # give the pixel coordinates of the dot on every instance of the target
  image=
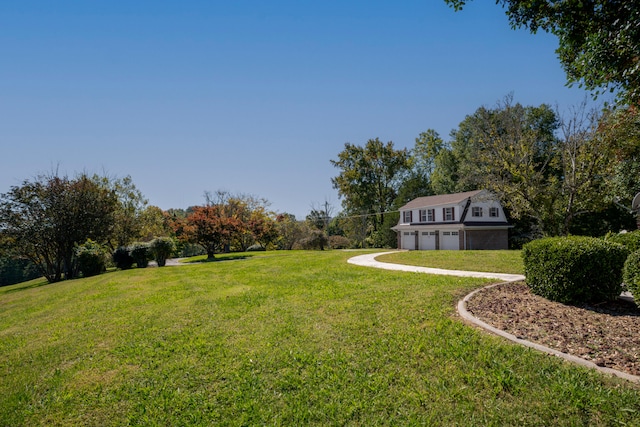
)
(486, 261)
(280, 338)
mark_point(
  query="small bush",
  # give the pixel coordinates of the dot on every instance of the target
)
(255, 248)
(161, 248)
(574, 269)
(140, 253)
(122, 258)
(629, 240)
(631, 274)
(339, 242)
(91, 258)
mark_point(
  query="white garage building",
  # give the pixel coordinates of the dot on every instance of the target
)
(470, 220)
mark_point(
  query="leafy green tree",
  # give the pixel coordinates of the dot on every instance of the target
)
(369, 178)
(262, 227)
(620, 128)
(154, 222)
(547, 170)
(318, 219)
(412, 186)
(599, 40)
(427, 146)
(510, 150)
(445, 176)
(129, 218)
(290, 231)
(47, 218)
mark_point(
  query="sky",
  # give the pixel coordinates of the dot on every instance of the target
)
(249, 97)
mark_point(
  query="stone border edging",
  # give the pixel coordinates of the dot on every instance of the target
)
(465, 314)
(368, 260)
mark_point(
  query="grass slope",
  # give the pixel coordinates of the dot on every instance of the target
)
(290, 338)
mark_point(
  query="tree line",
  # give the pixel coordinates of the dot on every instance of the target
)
(555, 174)
(64, 227)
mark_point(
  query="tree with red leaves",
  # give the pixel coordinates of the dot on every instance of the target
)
(211, 228)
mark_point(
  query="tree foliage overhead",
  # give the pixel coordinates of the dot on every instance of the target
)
(369, 178)
(620, 129)
(599, 40)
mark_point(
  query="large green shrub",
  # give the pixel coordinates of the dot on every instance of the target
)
(631, 274)
(161, 249)
(140, 253)
(91, 258)
(122, 258)
(316, 240)
(339, 242)
(630, 240)
(574, 269)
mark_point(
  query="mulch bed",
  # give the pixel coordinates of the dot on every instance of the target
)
(606, 334)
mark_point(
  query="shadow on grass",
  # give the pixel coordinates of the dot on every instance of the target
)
(31, 284)
(217, 259)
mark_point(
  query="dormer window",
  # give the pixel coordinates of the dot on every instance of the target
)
(407, 216)
(494, 212)
(448, 214)
(476, 211)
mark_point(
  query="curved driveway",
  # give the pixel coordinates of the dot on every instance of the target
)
(369, 260)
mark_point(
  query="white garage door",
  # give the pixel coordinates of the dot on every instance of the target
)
(408, 240)
(427, 240)
(449, 240)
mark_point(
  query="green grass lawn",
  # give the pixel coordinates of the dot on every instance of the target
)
(487, 261)
(284, 338)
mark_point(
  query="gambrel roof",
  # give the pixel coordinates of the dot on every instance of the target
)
(442, 199)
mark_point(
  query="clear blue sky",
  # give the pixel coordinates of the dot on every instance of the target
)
(252, 97)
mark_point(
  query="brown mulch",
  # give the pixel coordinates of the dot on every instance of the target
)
(606, 334)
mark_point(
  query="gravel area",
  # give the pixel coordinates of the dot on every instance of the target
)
(606, 334)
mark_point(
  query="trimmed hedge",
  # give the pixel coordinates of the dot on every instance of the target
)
(91, 258)
(630, 240)
(161, 249)
(631, 274)
(574, 269)
(141, 254)
(122, 258)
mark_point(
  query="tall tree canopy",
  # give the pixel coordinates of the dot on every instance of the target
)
(546, 169)
(46, 219)
(599, 40)
(369, 178)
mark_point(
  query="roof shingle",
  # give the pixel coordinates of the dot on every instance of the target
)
(442, 199)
